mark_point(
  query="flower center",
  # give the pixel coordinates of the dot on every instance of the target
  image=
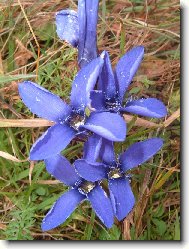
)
(115, 173)
(86, 187)
(76, 120)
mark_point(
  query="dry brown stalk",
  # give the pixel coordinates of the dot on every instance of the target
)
(141, 122)
(45, 182)
(10, 157)
(172, 118)
(36, 122)
(32, 165)
(34, 36)
(139, 211)
(126, 226)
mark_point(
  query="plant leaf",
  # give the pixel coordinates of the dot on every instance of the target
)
(8, 78)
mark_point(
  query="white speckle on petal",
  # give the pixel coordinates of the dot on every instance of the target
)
(122, 74)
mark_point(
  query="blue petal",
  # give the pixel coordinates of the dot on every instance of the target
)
(150, 107)
(88, 17)
(102, 205)
(91, 171)
(67, 27)
(140, 152)
(84, 82)
(127, 67)
(97, 100)
(55, 139)
(92, 148)
(42, 102)
(107, 154)
(121, 196)
(106, 80)
(62, 209)
(82, 28)
(108, 125)
(61, 169)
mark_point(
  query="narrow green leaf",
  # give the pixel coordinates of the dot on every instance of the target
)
(8, 78)
(177, 227)
(89, 227)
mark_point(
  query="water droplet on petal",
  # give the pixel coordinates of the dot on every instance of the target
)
(123, 75)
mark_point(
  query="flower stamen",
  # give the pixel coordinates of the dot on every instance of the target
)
(76, 120)
(86, 187)
(115, 173)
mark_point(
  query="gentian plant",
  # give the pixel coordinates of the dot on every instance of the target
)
(79, 29)
(70, 120)
(113, 85)
(96, 116)
(80, 190)
(116, 170)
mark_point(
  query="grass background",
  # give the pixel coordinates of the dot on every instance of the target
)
(27, 191)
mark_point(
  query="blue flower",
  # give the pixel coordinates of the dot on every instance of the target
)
(70, 120)
(80, 189)
(113, 85)
(79, 29)
(116, 171)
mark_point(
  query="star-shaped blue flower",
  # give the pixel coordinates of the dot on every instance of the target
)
(70, 120)
(113, 85)
(79, 29)
(116, 171)
(80, 190)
